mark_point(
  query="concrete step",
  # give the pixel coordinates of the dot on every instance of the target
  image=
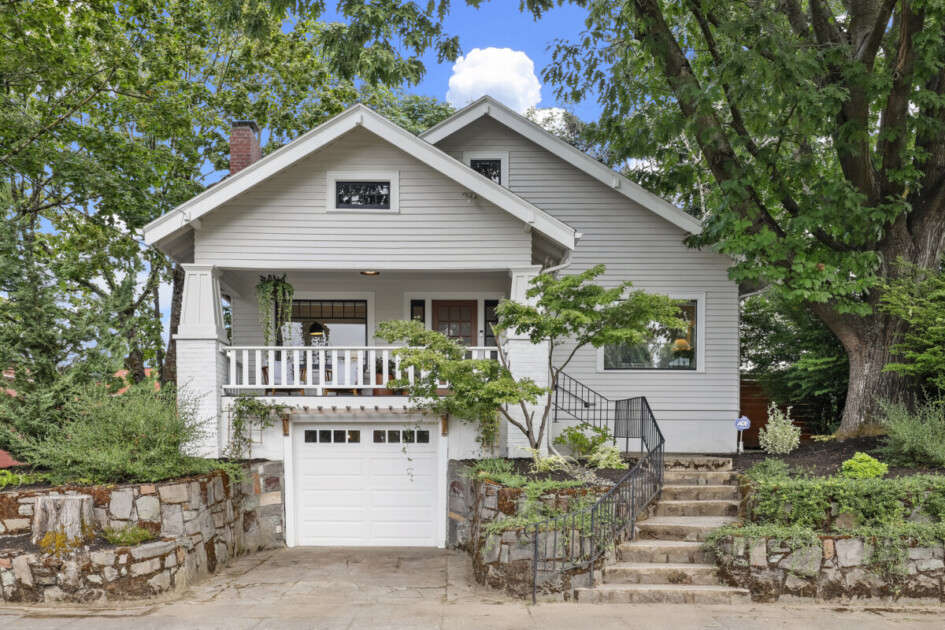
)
(694, 462)
(691, 528)
(662, 594)
(699, 493)
(664, 551)
(666, 573)
(696, 508)
(700, 478)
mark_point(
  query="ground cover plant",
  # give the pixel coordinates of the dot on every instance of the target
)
(796, 510)
(915, 437)
(127, 536)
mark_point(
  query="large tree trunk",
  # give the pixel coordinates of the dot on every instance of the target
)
(66, 520)
(169, 368)
(870, 385)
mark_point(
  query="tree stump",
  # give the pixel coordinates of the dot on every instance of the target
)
(63, 523)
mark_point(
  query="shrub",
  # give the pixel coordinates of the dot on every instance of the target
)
(862, 466)
(915, 438)
(780, 436)
(140, 436)
(606, 457)
(768, 469)
(127, 536)
(9, 478)
(551, 463)
(583, 439)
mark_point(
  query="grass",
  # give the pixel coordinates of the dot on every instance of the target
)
(128, 536)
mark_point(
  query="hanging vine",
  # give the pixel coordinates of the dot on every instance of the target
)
(274, 297)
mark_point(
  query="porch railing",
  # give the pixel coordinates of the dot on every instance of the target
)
(314, 371)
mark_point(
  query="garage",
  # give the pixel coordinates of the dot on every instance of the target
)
(365, 485)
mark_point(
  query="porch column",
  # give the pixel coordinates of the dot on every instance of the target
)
(526, 360)
(201, 364)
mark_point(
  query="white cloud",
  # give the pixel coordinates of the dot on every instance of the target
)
(506, 75)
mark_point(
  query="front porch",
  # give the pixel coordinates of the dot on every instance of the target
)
(326, 360)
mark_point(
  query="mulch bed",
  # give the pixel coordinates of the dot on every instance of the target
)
(823, 459)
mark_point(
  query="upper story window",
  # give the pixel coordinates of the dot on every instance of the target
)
(367, 195)
(354, 191)
(491, 164)
(491, 169)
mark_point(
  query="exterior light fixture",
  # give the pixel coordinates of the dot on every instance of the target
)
(370, 273)
(316, 330)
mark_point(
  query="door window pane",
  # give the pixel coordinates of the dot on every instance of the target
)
(380, 437)
(423, 437)
(324, 435)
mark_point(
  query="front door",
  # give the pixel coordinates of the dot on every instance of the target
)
(457, 319)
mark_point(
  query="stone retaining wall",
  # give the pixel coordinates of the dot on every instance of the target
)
(505, 561)
(837, 569)
(199, 524)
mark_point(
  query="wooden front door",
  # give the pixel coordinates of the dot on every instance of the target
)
(457, 319)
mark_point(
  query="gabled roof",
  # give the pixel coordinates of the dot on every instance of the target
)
(488, 106)
(188, 214)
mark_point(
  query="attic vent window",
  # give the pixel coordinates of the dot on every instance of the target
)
(363, 195)
(359, 191)
(491, 169)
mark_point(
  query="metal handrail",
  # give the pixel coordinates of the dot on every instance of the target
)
(578, 539)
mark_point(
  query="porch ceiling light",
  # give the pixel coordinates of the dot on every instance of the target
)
(370, 273)
(316, 330)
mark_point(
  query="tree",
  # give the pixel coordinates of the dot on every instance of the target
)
(120, 113)
(918, 298)
(798, 361)
(567, 313)
(823, 130)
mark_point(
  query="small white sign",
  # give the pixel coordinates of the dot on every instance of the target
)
(742, 423)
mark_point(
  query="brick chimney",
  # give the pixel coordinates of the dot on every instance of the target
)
(244, 145)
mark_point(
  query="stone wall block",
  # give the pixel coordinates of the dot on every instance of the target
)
(758, 553)
(174, 494)
(850, 552)
(121, 504)
(148, 507)
(152, 550)
(172, 520)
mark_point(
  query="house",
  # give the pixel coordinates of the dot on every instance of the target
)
(370, 223)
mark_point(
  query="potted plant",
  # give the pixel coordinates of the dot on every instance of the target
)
(274, 298)
(379, 375)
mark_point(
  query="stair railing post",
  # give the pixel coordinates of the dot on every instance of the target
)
(593, 558)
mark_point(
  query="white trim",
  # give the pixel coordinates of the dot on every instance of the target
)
(700, 342)
(442, 487)
(429, 296)
(502, 156)
(487, 106)
(329, 131)
(288, 478)
(332, 178)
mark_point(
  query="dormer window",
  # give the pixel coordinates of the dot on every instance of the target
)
(493, 165)
(354, 191)
(488, 168)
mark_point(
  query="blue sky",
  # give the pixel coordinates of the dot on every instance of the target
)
(503, 74)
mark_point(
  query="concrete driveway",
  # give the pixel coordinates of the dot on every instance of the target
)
(422, 588)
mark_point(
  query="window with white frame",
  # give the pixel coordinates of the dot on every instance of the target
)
(664, 348)
(493, 165)
(355, 191)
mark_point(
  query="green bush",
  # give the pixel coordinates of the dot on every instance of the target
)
(862, 466)
(127, 536)
(139, 436)
(815, 502)
(583, 439)
(606, 457)
(779, 436)
(8, 478)
(915, 438)
(767, 469)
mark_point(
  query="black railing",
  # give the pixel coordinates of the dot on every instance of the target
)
(569, 543)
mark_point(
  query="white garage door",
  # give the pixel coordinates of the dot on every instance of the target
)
(365, 485)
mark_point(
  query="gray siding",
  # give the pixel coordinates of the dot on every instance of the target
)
(639, 246)
(283, 223)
